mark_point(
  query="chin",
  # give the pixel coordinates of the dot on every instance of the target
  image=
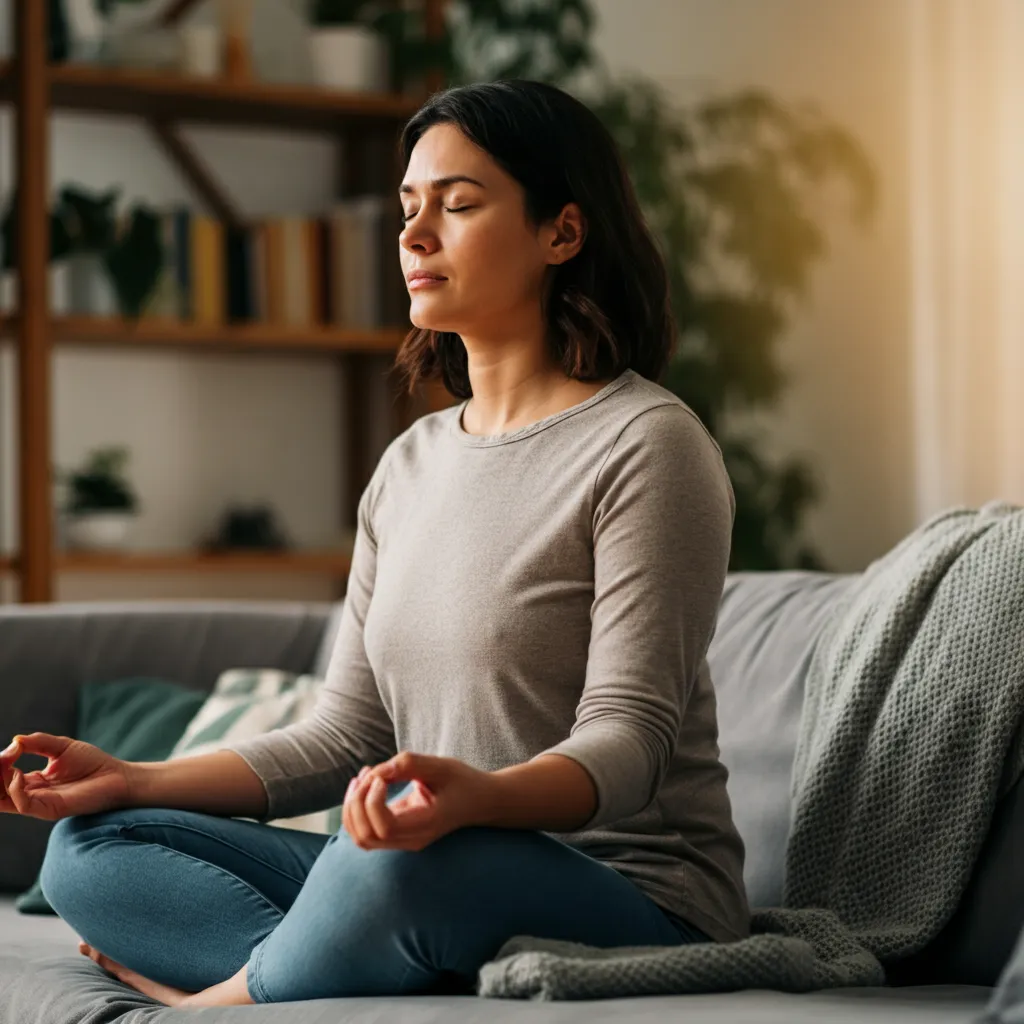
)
(428, 322)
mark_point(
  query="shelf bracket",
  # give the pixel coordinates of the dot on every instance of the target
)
(190, 164)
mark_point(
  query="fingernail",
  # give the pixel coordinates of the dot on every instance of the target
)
(10, 749)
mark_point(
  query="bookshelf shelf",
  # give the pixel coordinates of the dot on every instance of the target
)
(161, 95)
(334, 563)
(160, 333)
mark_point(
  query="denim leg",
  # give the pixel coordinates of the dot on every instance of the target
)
(181, 897)
(392, 922)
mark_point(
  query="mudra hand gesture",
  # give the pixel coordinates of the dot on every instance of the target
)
(446, 794)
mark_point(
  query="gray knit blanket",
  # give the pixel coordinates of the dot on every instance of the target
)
(910, 732)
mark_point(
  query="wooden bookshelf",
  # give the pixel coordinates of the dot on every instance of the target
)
(160, 95)
(320, 562)
(364, 125)
(167, 333)
(331, 563)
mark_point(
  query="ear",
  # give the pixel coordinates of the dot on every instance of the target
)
(568, 232)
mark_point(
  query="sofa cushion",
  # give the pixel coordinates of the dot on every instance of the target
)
(248, 702)
(47, 651)
(45, 980)
(133, 719)
(326, 648)
(767, 626)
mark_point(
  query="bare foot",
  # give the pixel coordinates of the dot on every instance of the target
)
(153, 989)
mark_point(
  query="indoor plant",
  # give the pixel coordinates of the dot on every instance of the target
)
(90, 25)
(101, 504)
(101, 244)
(728, 184)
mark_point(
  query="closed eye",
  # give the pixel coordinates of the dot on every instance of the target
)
(448, 209)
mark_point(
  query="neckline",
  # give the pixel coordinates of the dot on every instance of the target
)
(489, 440)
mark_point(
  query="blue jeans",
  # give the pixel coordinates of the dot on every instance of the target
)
(187, 898)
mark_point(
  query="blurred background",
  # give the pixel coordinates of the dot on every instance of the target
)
(194, 340)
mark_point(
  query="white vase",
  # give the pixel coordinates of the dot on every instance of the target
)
(98, 531)
(202, 51)
(87, 29)
(86, 287)
(349, 57)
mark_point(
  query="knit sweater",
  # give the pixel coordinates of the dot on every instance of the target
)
(549, 590)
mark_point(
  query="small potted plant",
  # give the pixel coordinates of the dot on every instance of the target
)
(113, 258)
(346, 50)
(101, 504)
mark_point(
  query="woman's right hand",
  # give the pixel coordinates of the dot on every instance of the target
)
(79, 778)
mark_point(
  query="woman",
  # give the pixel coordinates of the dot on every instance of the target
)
(535, 582)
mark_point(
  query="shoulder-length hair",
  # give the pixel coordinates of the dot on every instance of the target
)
(608, 308)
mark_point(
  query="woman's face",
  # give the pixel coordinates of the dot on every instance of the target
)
(475, 234)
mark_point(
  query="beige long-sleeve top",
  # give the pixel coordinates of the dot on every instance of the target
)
(552, 589)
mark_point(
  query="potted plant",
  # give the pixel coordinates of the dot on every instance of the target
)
(101, 504)
(90, 26)
(346, 50)
(733, 186)
(113, 258)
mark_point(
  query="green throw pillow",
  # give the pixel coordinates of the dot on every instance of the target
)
(137, 719)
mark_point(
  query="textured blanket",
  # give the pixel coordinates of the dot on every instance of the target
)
(910, 732)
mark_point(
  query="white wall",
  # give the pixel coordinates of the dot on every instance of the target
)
(848, 405)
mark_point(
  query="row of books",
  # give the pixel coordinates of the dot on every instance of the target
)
(339, 269)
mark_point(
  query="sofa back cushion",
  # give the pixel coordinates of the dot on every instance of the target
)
(768, 623)
(759, 657)
(47, 651)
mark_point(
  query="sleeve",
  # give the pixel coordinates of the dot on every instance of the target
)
(663, 513)
(306, 766)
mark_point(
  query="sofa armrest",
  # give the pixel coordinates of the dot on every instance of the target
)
(48, 651)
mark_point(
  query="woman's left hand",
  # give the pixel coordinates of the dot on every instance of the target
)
(446, 794)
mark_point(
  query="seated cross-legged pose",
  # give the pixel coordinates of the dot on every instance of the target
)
(518, 713)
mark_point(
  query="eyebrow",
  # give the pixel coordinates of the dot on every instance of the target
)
(439, 183)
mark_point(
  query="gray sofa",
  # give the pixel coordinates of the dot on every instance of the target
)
(759, 656)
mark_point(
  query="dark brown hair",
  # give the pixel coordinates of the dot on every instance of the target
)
(607, 308)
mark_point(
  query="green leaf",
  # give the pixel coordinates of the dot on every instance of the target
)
(135, 260)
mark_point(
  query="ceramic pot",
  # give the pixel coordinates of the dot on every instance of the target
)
(98, 531)
(349, 57)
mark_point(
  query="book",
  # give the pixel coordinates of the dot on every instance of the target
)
(209, 294)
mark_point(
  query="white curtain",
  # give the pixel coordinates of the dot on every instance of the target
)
(967, 229)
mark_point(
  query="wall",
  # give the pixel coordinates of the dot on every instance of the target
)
(847, 408)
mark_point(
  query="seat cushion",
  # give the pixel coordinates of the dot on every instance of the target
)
(45, 980)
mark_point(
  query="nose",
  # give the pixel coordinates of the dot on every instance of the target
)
(417, 238)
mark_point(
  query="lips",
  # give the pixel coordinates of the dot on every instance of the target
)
(425, 275)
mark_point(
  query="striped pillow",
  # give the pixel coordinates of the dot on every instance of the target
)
(247, 702)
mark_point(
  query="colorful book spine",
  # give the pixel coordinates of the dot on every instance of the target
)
(238, 274)
(340, 268)
(183, 261)
(209, 292)
(274, 261)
